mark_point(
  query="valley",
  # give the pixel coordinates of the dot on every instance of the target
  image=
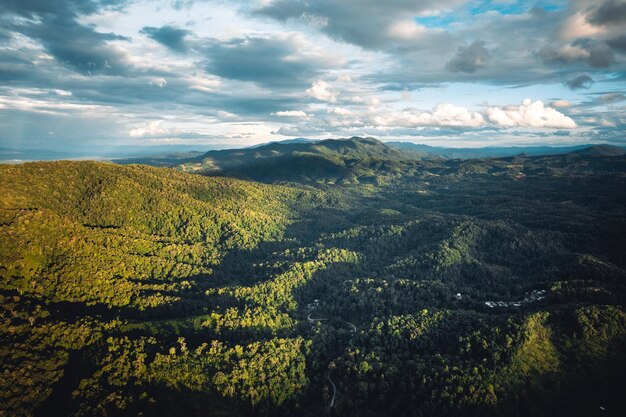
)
(315, 279)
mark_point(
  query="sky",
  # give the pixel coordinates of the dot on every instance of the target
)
(102, 74)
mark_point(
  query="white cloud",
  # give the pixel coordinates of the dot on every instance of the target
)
(151, 129)
(227, 115)
(561, 103)
(607, 123)
(406, 29)
(206, 85)
(319, 91)
(529, 114)
(49, 107)
(442, 115)
(340, 111)
(63, 93)
(159, 82)
(291, 113)
(576, 26)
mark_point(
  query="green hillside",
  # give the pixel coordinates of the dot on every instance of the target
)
(371, 285)
(330, 161)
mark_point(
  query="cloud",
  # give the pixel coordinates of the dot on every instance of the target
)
(159, 82)
(164, 131)
(169, 36)
(371, 24)
(580, 82)
(576, 26)
(290, 113)
(529, 114)
(32, 8)
(275, 62)
(564, 54)
(596, 54)
(319, 91)
(56, 26)
(618, 43)
(340, 111)
(68, 63)
(600, 54)
(204, 84)
(611, 12)
(561, 104)
(151, 129)
(469, 58)
(442, 115)
(610, 98)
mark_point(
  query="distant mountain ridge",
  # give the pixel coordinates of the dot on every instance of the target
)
(332, 160)
(601, 150)
(172, 155)
(499, 152)
(363, 160)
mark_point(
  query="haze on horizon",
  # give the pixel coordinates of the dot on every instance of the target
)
(111, 73)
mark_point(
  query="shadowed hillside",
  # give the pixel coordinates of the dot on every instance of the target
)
(342, 161)
(419, 288)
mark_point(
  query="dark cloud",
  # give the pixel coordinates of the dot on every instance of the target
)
(60, 77)
(406, 86)
(469, 58)
(554, 55)
(580, 82)
(269, 62)
(610, 98)
(509, 41)
(169, 36)
(71, 8)
(618, 43)
(600, 54)
(594, 53)
(611, 12)
(55, 25)
(366, 23)
(80, 46)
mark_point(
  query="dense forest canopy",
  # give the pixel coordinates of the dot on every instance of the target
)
(341, 277)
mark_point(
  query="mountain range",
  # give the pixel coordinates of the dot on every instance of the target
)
(341, 277)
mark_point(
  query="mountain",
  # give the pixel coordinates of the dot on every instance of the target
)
(160, 160)
(285, 142)
(477, 153)
(481, 287)
(153, 154)
(182, 220)
(601, 150)
(487, 152)
(369, 161)
(334, 160)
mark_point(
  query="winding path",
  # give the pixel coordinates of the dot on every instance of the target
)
(311, 320)
(332, 400)
(353, 330)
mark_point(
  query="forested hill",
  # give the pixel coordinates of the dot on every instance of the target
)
(448, 288)
(501, 152)
(369, 161)
(333, 160)
(150, 227)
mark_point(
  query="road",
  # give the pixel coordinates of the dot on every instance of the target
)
(353, 330)
(332, 400)
(311, 320)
